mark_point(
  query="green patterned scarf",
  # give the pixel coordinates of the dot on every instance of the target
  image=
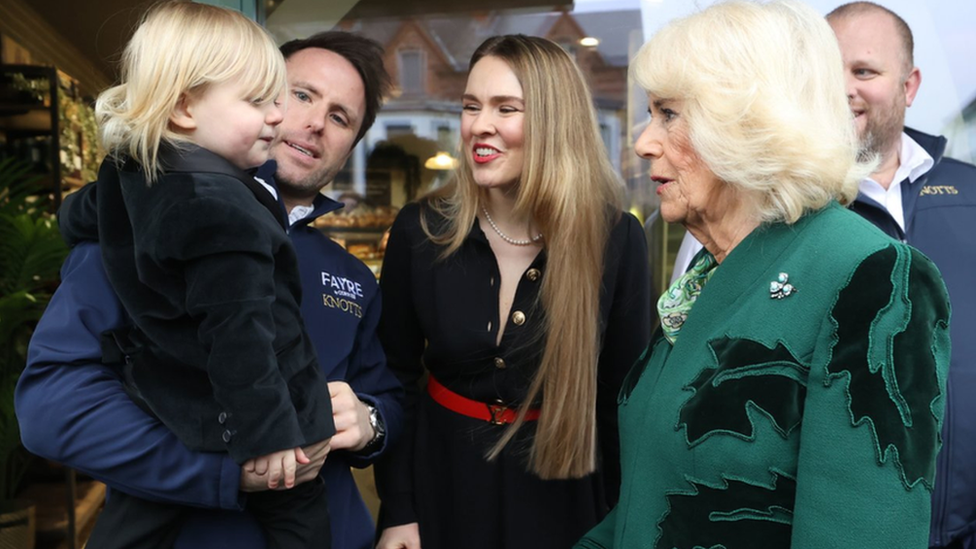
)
(676, 302)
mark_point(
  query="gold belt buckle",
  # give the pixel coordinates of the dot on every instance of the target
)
(496, 410)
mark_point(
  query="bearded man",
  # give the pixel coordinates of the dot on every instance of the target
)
(919, 197)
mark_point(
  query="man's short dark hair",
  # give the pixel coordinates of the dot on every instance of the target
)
(904, 31)
(365, 54)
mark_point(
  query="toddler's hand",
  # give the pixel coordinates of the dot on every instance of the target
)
(278, 466)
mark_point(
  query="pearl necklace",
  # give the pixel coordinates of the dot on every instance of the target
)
(505, 237)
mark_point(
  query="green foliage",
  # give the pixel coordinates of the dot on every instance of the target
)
(18, 187)
(31, 253)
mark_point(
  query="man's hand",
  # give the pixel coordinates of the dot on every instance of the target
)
(351, 417)
(406, 536)
(305, 471)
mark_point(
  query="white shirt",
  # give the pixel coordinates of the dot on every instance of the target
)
(299, 213)
(271, 189)
(914, 162)
(686, 252)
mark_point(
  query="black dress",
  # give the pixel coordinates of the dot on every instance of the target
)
(438, 475)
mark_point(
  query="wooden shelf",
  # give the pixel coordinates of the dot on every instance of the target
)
(37, 131)
(16, 109)
(52, 515)
(31, 121)
(22, 122)
(350, 229)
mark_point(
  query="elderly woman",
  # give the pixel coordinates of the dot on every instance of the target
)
(794, 395)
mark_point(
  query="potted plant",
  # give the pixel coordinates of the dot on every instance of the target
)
(31, 253)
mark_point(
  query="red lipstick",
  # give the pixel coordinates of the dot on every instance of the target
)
(482, 153)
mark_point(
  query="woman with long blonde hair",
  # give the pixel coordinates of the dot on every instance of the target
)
(522, 290)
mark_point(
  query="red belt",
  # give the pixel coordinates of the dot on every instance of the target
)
(497, 414)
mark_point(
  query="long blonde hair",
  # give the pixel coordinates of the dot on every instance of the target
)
(182, 48)
(571, 191)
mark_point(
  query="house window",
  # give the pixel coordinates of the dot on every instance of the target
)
(398, 130)
(412, 69)
(446, 140)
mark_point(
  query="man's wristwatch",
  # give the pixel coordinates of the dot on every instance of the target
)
(376, 422)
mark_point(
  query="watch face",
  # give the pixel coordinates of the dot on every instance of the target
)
(375, 422)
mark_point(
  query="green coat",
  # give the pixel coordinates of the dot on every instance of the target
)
(809, 422)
